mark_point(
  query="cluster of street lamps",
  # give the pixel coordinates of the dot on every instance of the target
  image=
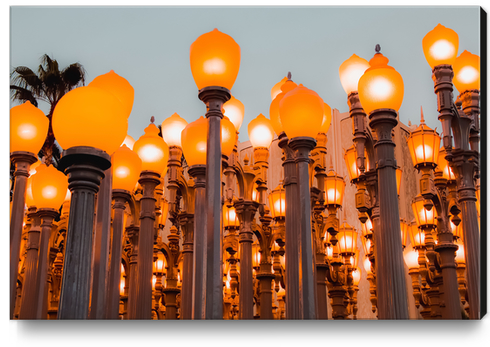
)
(233, 251)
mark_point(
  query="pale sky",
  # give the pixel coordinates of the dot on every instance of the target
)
(149, 46)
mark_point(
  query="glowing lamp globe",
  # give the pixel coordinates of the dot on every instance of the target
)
(381, 86)
(351, 71)
(276, 90)
(456, 230)
(287, 86)
(460, 253)
(423, 144)
(230, 218)
(90, 116)
(152, 150)
(411, 257)
(129, 142)
(297, 106)
(159, 264)
(28, 128)
(277, 202)
(350, 157)
(235, 111)
(126, 168)
(356, 276)
(347, 237)
(327, 119)
(49, 187)
(466, 69)
(417, 236)
(172, 128)
(443, 165)
(404, 227)
(440, 46)
(399, 172)
(228, 136)
(194, 142)
(334, 189)
(260, 132)
(117, 86)
(367, 227)
(215, 60)
(423, 216)
(367, 265)
(255, 255)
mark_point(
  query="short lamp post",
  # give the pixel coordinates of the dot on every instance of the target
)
(28, 129)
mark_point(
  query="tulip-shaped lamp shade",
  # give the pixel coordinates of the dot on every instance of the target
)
(235, 111)
(152, 150)
(367, 227)
(354, 259)
(172, 128)
(230, 218)
(255, 254)
(423, 216)
(456, 230)
(28, 128)
(440, 46)
(443, 165)
(366, 244)
(347, 237)
(276, 90)
(334, 189)
(287, 86)
(466, 72)
(423, 144)
(49, 187)
(381, 86)
(215, 60)
(351, 71)
(122, 284)
(194, 142)
(297, 106)
(367, 265)
(129, 142)
(327, 119)
(399, 172)
(126, 168)
(417, 236)
(356, 276)
(90, 116)
(159, 264)
(404, 227)
(460, 253)
(411, 257)
(117, 86)
(277, 202)
(350, 157)
(260, 132)
(228, 136)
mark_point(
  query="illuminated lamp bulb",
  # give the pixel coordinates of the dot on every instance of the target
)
(152, 150)
(126, 168)
(466, 72)
(194, 142)
(49, 187)
(117, 86)
(260, 132)
(350, 71)
(228, 136)
(440, 46)
(274, 107)
(235, 111)
(28, 128)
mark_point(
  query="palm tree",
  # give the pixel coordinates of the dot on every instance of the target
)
(49, 85)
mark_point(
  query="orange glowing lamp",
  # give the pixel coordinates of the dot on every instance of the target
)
(255, 255)
(456, 230)
(347, 237)
(381, 86)
(28, 128)
(129, 142)
(399, 172)
(90, 116)
(417, 236)
(117, 86)
(235, 111)
(230, 217)
(423, 216)
(411, 257)
(350, 158)
(126, 168)
(163, 211)
(423, 144)
(260, 132)
(276, 90)
(122, 284)
(356, 276)
(215, 60)
(327, 119)
(194, 142)
(287, 86)
(404, 227)
(159, 264)
(367, 265)
(228, 136)
(277, 202)
(334, 189)
(351, 71)
(152, 150)
(440, 46)
(48, 187)
(460, 253)
(443, 165)
(298, 105)
(466, 69)
(367, 228)
(172, 128)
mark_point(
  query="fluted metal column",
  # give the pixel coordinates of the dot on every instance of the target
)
(22, 162)
(120, 198)
(133, 235)
(390, 269)
(85, 168)
(186, 220)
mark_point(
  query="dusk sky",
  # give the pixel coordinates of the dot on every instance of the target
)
(149, 46)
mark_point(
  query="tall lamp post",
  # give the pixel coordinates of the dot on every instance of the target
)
(440, 48)
(215, 61)
(28, 129)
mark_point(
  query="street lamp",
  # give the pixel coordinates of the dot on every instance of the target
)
(28, 129)
(235, 111)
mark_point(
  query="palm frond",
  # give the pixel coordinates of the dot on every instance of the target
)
(73, 76)
(24, 77)
(22, 94)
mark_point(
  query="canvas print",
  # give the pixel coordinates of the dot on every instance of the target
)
(247, 163)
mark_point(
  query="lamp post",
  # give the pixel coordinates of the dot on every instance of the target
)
(28, 129)
(440, 48)
(215, 61)
(154, 153)
(297, 104)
